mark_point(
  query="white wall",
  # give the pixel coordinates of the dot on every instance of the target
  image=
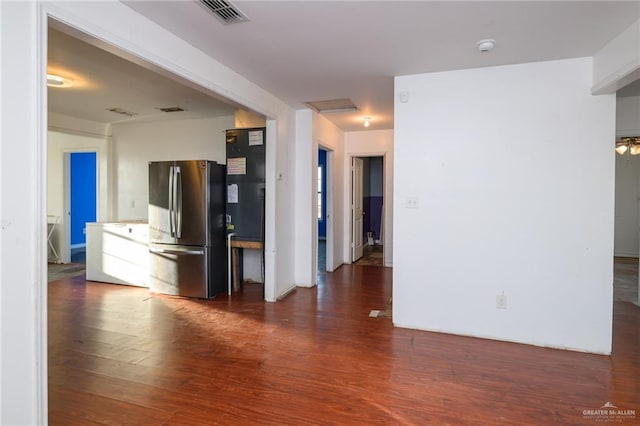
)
(312, 131)
(78, 126)
(513, 170)
(59, 144)
(280, 209)
(305, 188)
(627, 216)
(362, 144)
(330, 138)
(135, 144)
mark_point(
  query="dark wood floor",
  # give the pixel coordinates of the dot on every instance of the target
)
(119, 355)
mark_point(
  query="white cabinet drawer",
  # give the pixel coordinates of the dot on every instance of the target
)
(118, 253)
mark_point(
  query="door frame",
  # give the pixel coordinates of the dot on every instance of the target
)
(385, 202)
(330, 264)
(94, 32)
(95, 26)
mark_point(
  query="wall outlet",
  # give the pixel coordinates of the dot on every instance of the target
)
(411, 202)
(501, 301)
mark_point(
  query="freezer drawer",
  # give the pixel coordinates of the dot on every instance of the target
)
(179, 270)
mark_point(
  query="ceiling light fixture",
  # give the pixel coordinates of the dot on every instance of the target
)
(54, 80)
(367, 121)
(631, 143)
(486, 45)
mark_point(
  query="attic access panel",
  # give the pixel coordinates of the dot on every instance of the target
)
(332, 105)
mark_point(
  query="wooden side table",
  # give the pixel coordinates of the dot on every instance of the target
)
(236, 258)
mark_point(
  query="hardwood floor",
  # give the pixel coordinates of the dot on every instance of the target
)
(625, 285)
(371, 256)
(120, 355)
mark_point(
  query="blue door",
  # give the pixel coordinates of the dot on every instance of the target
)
(322, 194)
(83, 195)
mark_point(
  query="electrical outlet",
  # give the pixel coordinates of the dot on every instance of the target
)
(411, 202)
(501, 301)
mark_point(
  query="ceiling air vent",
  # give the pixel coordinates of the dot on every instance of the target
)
(122, 112)
(225, 11)
(171, 109)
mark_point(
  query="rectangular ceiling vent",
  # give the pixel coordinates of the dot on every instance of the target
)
(226, 12)
(122, 112)
(171, 109)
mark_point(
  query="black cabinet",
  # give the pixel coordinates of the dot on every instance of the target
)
(246, 150)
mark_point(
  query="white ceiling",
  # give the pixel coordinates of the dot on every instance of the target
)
(317, 50)
(103, 81)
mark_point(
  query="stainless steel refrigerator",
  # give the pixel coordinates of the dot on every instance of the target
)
(187, 226)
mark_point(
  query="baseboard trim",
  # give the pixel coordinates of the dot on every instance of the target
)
(287, 293)
(625, 254)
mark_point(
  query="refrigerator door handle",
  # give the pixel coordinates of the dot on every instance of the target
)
(178, 201)
(175, 251)
(171, 202)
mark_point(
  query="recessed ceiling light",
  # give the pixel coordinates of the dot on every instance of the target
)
(486, 45)
(54, 80)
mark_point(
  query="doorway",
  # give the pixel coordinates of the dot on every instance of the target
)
(626, 286)
(322, 210)
(367, 212)
(82, 201)
(324, 193)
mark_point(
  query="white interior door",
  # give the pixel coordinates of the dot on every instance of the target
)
(357, 212)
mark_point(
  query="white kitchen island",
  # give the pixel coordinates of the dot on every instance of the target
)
(117, 252)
